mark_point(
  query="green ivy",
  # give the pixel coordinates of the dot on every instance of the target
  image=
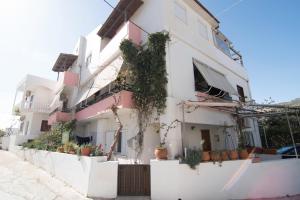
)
(148, 74)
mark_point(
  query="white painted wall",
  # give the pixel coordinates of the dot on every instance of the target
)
(191, 37)
(234, 180)
(91, 176)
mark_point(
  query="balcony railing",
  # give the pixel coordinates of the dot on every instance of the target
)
(223, 44)
(124, 100)
(28, 106)
(59, 116)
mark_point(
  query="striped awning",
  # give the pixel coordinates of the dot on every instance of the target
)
(214, 78)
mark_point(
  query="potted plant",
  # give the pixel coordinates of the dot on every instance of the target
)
(243, 153)
(224, 155)
(206, 156)
(60, 149)
(97, 151)
(161, 152)
(233, 154)
(215, 156)
(193, 157)
(85, 149)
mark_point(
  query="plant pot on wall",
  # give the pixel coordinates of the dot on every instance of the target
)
(243, 154)
(233, 154)
(224, 155)
(205, 156)
(161, 153)
(215, 156)
(85, 151)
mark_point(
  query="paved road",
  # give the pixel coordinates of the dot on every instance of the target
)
(20, 180)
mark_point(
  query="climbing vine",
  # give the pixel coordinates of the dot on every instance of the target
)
(147, 76)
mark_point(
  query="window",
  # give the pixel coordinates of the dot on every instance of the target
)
(241, 93)
(45, 126)
(88, 60)
(180, 12)
(222, 44)
(202, 28)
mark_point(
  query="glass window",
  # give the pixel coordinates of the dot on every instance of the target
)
(180, 12)
(222, 45)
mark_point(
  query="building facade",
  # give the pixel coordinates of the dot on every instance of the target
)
(206, 80)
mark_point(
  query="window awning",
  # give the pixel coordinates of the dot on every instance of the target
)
(106, 76)
(63, 62)
(214, 78)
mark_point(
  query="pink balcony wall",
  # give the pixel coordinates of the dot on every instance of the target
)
(59, 117)
(134, 33)
(70, 79)
(125, 101)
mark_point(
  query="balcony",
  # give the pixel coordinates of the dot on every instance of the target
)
(29, 106)
(224, 45)
(111, 50)
(68, 79)
(124, 101)
(59, 116)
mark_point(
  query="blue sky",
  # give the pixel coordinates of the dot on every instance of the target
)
(34, 32)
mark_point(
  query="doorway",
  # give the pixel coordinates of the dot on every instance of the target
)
(205, 134)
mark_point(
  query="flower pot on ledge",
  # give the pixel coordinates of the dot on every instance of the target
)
(233, 154)
(85, 151)
(243, 153)
(161, 153)
(205, 156)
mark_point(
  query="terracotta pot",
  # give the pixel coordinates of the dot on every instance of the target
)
(233, 154)
(224, 155)
(215, 156)
(205, 156)
(85, 151)
(270, 151)
(60, 149)
(161, 153)
(243, 154)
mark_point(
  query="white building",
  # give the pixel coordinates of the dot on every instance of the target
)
(32, 99)
(201, 64)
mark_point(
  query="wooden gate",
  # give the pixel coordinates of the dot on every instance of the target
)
(134, 180)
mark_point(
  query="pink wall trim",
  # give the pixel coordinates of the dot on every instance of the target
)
(134, 33)
(59, 117)
(70, 79)
(105, 104)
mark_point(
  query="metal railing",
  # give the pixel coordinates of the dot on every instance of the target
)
(223, 44)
